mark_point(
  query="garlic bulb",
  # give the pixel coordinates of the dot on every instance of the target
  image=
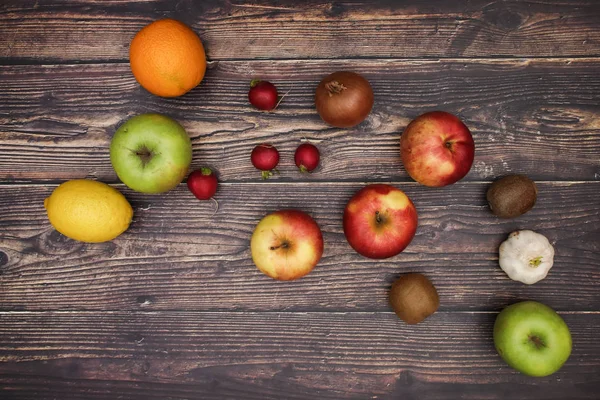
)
(526, 256)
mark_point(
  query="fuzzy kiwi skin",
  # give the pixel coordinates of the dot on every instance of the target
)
(512, 196)
(413, 298)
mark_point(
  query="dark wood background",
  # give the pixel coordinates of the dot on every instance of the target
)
(175, 309)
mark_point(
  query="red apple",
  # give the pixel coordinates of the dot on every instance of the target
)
(286, 244)
(437, 149)
(380, 221)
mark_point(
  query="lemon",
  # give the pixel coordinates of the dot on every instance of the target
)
(88, 211)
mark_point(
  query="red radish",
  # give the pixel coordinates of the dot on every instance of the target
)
(202, 183)
(265, 158)
(263, 95)
(307, 157)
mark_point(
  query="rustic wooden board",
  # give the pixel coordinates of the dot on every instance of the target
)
(175, 309)
(541, 117)
(175, 355)
(79, 31)
(178, 256)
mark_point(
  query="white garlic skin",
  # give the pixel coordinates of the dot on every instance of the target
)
(522, 248)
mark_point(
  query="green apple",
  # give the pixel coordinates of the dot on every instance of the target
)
(151, 153)
(532, 338)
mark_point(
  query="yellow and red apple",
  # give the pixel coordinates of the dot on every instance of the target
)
(380, 221)
(286, 244)
(437, 149)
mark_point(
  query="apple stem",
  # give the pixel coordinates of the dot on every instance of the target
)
(145, 154)
(378, 217)
(254, 82)
(537, 341)
(283, 245)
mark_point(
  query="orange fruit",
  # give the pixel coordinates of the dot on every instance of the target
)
(167, 58)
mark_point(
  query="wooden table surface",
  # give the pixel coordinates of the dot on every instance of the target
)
(175, 309)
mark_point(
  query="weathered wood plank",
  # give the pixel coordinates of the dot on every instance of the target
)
(176, 308)
(66, 31)
(276, 355)
(541, 118)
(177, 255)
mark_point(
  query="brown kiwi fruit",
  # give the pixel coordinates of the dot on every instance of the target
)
(414, 298)
(512, 196)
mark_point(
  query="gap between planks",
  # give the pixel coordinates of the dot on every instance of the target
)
(302, 183)
(214, 62)
(213, 312)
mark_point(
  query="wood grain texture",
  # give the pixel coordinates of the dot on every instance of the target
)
(76, 31)
(276, 355)
(541, 118)
(174, 308)
(177, 256)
